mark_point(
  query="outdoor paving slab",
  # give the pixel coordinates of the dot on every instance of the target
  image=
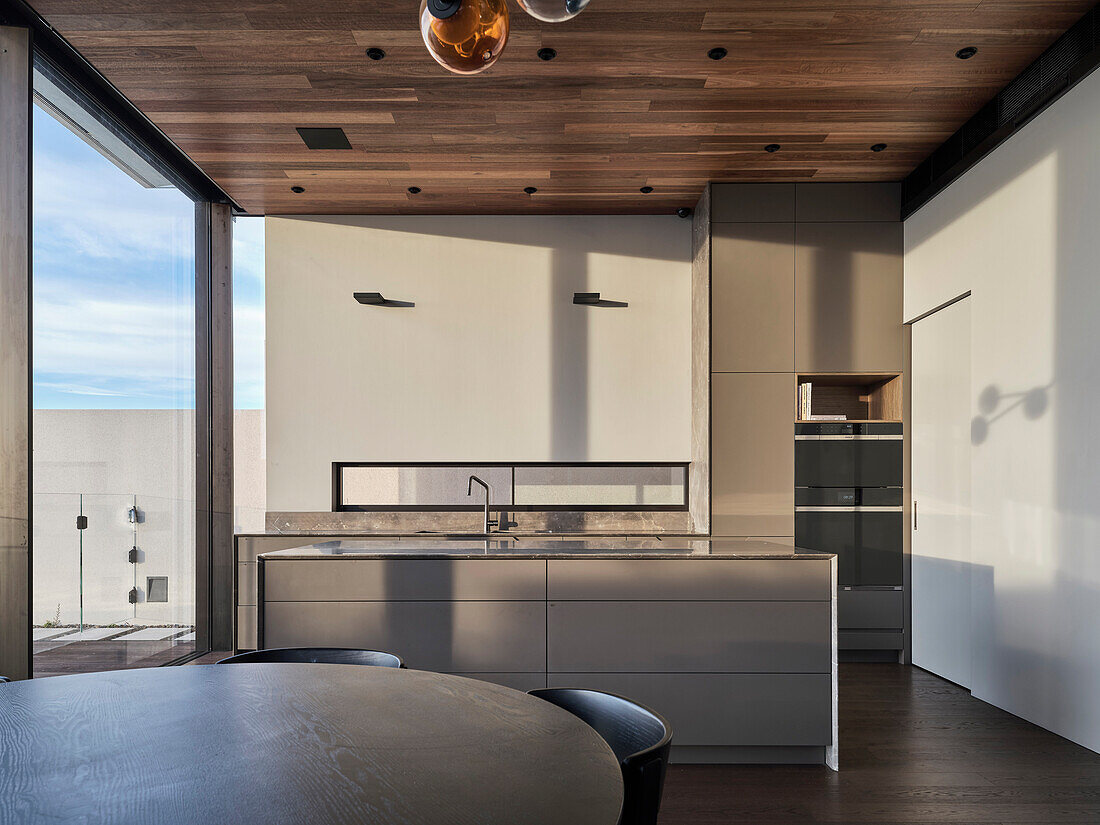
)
(93, 634)
(150, 634)
(39, 634)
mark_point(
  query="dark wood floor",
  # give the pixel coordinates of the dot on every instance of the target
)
(914, 750)
(56, 658)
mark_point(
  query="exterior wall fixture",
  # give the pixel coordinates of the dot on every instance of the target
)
(592, 299)
(375, 299)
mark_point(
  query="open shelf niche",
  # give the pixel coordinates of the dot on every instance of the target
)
(861, 397)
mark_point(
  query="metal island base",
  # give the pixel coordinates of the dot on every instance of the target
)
(733, 642)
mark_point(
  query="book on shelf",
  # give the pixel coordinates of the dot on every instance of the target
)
(805, 400)
(827, 418)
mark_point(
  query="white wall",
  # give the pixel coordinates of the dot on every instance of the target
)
(494, 363)
(1022, 230)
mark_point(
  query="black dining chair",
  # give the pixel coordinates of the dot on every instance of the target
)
(317, 655)
(640, 738)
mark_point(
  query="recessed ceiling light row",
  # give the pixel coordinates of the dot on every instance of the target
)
(772, 148)
(416, 190)
(545, 53)
(720, 52)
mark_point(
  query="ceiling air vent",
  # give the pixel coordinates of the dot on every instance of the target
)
(324, 138)
(1069, 59)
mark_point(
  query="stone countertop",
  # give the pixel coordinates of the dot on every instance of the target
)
(511, 547)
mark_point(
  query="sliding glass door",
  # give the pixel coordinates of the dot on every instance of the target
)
(113, 354)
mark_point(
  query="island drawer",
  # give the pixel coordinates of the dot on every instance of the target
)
(689, 637)
(708, 709)
(689, 579)
(392, 580)
(449, 637)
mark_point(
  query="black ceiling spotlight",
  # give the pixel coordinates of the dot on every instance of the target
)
(530, 190)
(645, 190)
(297, 190)
(414, 190)
(546, 53)
(878, 147)
(684, 211)
(717, 53)
(966, 52)
(772, 148)
(375, 53)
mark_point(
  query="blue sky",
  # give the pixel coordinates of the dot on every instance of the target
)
(114, 286)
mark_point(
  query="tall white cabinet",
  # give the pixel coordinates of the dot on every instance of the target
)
(940, 428)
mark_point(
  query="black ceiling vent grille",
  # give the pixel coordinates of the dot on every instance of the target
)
(328, 137)
(1059, 68)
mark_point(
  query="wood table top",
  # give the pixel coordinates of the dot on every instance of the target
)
(296, 743)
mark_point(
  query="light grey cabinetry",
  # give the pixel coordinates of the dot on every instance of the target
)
(752, 448)
(449, 615)
(697, 637)
(449, 637)
(398, 580)
(760, 580)
(737, 655)
(752, 297)
(711, 710)
(848, 297)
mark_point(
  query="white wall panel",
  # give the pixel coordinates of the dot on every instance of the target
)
(494, 363)
(1020, 230)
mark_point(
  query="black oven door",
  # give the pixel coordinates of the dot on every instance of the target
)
(866, 540)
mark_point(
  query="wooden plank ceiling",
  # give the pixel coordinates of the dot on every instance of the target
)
(631, 100)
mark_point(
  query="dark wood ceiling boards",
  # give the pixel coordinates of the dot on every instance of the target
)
(631, 100)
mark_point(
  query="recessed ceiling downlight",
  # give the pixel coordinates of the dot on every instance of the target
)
(878, 147)
(717, 53)
(375, 53)
(966, 52)
(772, 148)
(530, 190)
(297, 190)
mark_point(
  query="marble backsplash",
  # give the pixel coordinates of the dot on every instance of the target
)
(570, 521)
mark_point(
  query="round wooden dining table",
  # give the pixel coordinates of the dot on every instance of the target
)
(296, 743)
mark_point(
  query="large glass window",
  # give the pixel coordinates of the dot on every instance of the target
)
(114, 400)
(249, 434)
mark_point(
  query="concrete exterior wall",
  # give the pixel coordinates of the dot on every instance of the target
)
(102, 463)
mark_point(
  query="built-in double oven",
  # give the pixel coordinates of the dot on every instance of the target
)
(848, 501)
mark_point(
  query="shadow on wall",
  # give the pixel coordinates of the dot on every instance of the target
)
(520, 229)
(1032, 403)
(569, 358)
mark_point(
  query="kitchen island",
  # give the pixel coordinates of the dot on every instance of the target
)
(734, 642)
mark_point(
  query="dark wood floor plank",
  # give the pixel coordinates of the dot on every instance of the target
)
(914, 750)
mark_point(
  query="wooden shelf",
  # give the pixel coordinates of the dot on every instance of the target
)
(860, 397)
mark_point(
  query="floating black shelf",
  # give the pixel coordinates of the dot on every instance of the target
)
(375, 299)
(592, 299)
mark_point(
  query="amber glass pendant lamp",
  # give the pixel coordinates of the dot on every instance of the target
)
(464, 36)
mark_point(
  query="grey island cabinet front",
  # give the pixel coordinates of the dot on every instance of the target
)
(737, 652)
